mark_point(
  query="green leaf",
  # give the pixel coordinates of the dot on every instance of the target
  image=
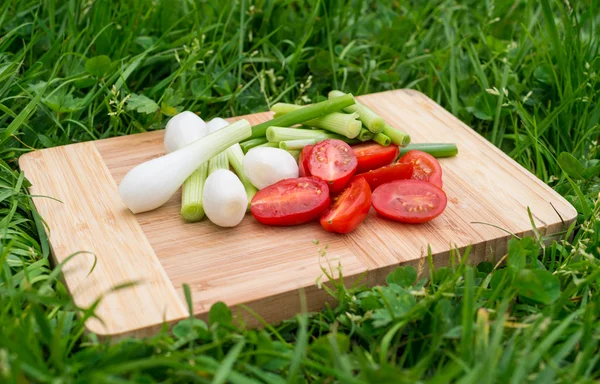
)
(45, 141)
(199, 88)
(171, 101)
(172, 98)
(186, 329)
(323, 345)
(522, 253)
(61, 102)
(538, 285)
(141, 104)
(591, 172)
(570, 165)
(403, 276)
(397, 302)
(369, 301)
(219, 314)
(98, 65)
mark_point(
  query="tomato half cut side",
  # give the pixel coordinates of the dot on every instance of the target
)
(409, 201)
(334, 162)
(349, 209)
(371, 155)
(376, 177)
(426, 167)
(291, 201)
(303, 161)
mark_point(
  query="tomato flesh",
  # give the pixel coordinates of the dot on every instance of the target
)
(291, 201)
(426, 167)
(409, 201)
(350, 208)
(376, 177)
(334, 162)
(371, 155)
(303, 161)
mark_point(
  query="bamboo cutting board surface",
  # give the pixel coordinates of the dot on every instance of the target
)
(266, 268)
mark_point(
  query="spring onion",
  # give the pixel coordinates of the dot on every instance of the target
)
(192, 208)
(434, 149)
(151, 184)
(233, 156)
(278, 134)
(372, 121)
(365, 134)
(304, 114)
(396, 136)
(266, 166)
(249, 144)
(181, 130)
(345, 124)
(382, 139)
(225, 199)
(268, 145)
(220, 161)
(292, 145)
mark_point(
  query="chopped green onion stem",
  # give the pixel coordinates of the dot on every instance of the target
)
(235, 155)
(249, 144)
(191, 195)
(382, 139)
(365, 135)
(307, 113)
(434, 149)
(397, 136)
(291, 145)
(372, 121)
(269, 144)
(218, 162)
(345, 124)
(278, 134)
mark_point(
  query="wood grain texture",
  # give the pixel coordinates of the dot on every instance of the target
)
(264, 267)
(90, 218)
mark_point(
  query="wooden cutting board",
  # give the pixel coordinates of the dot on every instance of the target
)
(266, 268)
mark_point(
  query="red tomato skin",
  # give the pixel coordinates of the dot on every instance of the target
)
(303, 161)
(389, 173)
(371, 155)
(268, 203)
(394, 209)
(418, 159)
(335, 172)
(350, 209)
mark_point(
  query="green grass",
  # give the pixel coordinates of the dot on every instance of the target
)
(522, 73)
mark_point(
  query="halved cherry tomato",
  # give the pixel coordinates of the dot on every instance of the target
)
(371, 155)
(349, 209)
(409, 201)
(333, 161)
(426, 167)
(376, 177)
(291, 201)
(303, 161)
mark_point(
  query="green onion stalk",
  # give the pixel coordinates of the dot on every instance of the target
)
(397, 137)
(192, 209)
(279, 134)
(370, 119)
(235, 155)
(434, 149)
(249, 144)
(304, 114)
(382, 139)
(345, 124)
(365, 135)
